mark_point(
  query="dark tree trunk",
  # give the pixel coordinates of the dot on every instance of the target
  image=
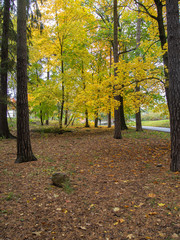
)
(109, 119)
(163, 40)
(87, 121)
(47, 121)
(173, 28)
(66, 117)
(62, 102)
(63, 91)
(24, 150)
(122, 117)
(137, 88)
(73, 121)
(96, 120)
(162, 36)
(117, 120)
(109, 114)
(138, 121)
(4, 129)
(41, 117)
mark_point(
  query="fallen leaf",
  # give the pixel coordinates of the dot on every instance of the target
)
(153, 213)
(161, 204)
(116, 209)
(37, 233)
(58, 209)
(130, 236)
(116, 223)
(121, 220)
(83, 228)
(56, 195)
(162, 234)
(151, 195)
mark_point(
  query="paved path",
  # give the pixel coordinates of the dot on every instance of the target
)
(160, 129)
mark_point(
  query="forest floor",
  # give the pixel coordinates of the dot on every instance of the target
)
(119, 189)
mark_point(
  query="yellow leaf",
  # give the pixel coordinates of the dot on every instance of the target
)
(116, 223)
(153, 213)
(161, 204)
(151, 195)
(121, 220)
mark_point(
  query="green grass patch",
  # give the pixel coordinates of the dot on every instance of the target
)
(157, 123)
(145, 134)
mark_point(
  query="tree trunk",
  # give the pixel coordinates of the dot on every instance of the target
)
(137, 88)
(109, 119)
(96, 120)
(117, 121)
(62, 101)
(173, 29)
(87, 121)
(162, 36)
(4, 129)
(41, 117)
(66, 117)
(122, 117)
(109, 114)
(24, 150)
(73, 121)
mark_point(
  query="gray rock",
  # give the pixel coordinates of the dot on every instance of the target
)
(59, 179)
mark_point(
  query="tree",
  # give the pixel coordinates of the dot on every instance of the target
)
(137, 88)
(24, 150)
(4, 129)
(173, 28)
(117, 123)
(154, 10)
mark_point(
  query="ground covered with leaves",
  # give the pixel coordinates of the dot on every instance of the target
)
(118, 189)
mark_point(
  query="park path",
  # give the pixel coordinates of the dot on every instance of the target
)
(160, 129)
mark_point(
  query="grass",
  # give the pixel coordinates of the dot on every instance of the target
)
(145, 134)
(156, 123)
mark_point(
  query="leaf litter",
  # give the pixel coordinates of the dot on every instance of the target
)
(116, 190)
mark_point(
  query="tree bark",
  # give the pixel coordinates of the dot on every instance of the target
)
(137, 88)
(4, 129)
(63, 94)
(173, 29)
(109, 119)
(163, 40)
(24, 150)
(87, 120)
(66, 117)
(96, 120)
(117, 121)
(109, 113)
(122, 117)
(41, 117)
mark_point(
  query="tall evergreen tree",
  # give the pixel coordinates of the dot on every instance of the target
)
(4, 129)
(173, 28)
(24, 150)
